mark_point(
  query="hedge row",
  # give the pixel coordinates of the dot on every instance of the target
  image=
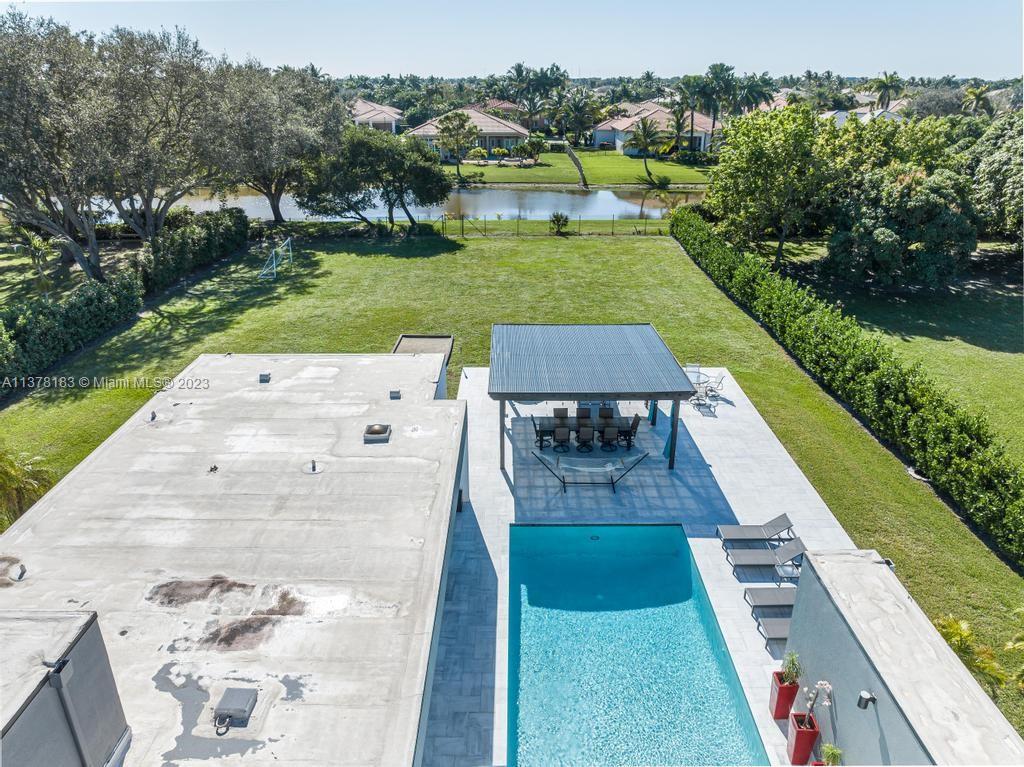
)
(36, 334)
(197, 241)
(949, 444)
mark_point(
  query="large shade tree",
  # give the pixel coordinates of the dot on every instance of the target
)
(52, 152)
(768, 177)
(165, 123)
(279, 121)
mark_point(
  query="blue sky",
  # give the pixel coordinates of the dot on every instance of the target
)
(595, 38)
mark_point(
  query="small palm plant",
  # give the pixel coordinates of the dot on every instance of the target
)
(831, 754)
(559, 221)
(40, 252)
(979, 659)
(791, 669)
(646, 138)
(1016, 644)
(976, 99)
(22, 481)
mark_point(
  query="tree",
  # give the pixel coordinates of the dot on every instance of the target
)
(752, 91)
(40, 252)
(978, 658)
(677, 127)
(645, 138)
(518, 77)
(768, 176)
(279, 121)
(935, 102)
(533, 107)
(51, 152)
(23, 480)
(456, 134)
(580, 113)
(165, 126)
(976, 99)
(887, 87)
(902, 225)
(555, 106)
(405, 172)
(719, 91)
(998, 188)
(338, 184)
(688, 91)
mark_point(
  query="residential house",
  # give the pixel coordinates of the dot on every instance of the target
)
(377, 116)
(493, 132)
(866, 113)
(616, 131)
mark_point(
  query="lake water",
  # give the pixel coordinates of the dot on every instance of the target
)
(492, 202)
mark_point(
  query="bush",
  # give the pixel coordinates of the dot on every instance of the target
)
(476, 153)
(195, 241)
(950, 445)
(36, 334)
(559, 222)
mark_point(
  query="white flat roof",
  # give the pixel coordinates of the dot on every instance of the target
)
(320, 590)
(927, 680)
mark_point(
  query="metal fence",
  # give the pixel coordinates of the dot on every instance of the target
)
(523, 226)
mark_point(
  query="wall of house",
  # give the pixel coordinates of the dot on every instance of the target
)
(829, 651)
(604, 136)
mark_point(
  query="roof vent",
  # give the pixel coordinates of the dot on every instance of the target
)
(234, 709)
(376, 433)
(395, 394)
(264, 378)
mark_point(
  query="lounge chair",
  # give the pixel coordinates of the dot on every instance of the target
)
(774, 629)
(628, 436)
(541, 439)
(609, 438)
(784, 554)
(585, 439)
(561, 439)
(769, 596)
(713, 388)
(771, 530)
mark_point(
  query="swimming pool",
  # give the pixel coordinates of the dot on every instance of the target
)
(615, 657)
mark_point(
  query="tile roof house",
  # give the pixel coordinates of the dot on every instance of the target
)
(510, 109)
(377, 116)
(494, 132)
(616, 131)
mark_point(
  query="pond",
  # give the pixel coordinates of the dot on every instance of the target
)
(492, 202)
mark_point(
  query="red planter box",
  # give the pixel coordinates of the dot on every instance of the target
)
(800, 741)
(781, 701)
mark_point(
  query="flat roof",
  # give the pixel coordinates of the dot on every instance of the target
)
(28, 637)
(932, 687)
(411, 343)
(568, 362)
(319, 589)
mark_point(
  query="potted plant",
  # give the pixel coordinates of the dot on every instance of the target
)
(831, 755)
(803, 727)
(785, 685)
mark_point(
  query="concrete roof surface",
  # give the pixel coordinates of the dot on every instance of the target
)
(318, 589)
(907, 651)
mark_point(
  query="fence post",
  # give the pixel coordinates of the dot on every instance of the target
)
(462, 225)
(613, 224)
(579, 225)
(485, 226)
(517, 225)
(645, 226)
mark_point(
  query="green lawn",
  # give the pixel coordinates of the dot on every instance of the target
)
(357, 296)
(970, 337)
(599, 167)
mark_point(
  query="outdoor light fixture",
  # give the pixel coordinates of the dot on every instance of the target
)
(865, 699)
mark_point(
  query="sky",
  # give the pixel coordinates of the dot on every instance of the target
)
(593, 38)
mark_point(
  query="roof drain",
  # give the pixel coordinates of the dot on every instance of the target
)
(376, 433)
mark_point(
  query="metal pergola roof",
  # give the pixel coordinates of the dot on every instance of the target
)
(573, 362)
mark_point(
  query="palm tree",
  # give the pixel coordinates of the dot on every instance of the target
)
(532, 106)
(688, 91)
(677, 125)
(720, 91)
(580, 112)
(22, 482)
(646, 137)
(889, 86)
(648, 83)
(976, 98)
(555, 106)
(519, 78)
(752, 91)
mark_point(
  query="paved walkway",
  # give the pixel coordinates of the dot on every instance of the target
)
(730, 467)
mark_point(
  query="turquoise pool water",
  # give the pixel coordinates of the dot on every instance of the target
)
(615, 657)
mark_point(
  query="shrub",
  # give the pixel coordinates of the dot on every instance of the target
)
(949, 444)
(195, 241)
(36, 334)
(500, 152)
(476, 153)
(559, 222)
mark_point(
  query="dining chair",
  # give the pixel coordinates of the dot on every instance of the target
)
(605, 413)
(561, 413)
(561, 439)
(583, 413)
(610, 438)
(585, 439)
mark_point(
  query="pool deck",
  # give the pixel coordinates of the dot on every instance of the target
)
(730, 468)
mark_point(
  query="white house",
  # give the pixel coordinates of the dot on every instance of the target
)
(616, 131)
(377, 116)
(864, 114)
(493, 132)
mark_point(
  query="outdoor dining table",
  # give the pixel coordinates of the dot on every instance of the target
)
(546, 425)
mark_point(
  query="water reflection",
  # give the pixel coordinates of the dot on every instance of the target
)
(492, 203)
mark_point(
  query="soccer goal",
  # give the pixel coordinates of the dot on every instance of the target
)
(278, 256)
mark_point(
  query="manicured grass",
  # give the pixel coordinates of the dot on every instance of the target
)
(600, 168)
(969, 337)
(357, 296)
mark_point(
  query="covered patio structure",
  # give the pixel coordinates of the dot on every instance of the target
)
(531, 363)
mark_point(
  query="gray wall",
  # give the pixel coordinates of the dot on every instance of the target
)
(41, 734)
(828, 650)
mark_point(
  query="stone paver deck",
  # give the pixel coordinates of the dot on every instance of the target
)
(730, 468)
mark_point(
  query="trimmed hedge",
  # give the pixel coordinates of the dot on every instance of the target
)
(952, 446)
(195, 241)
(36, 334)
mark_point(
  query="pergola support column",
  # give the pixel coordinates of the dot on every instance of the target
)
(501, 432)
(675, 434)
